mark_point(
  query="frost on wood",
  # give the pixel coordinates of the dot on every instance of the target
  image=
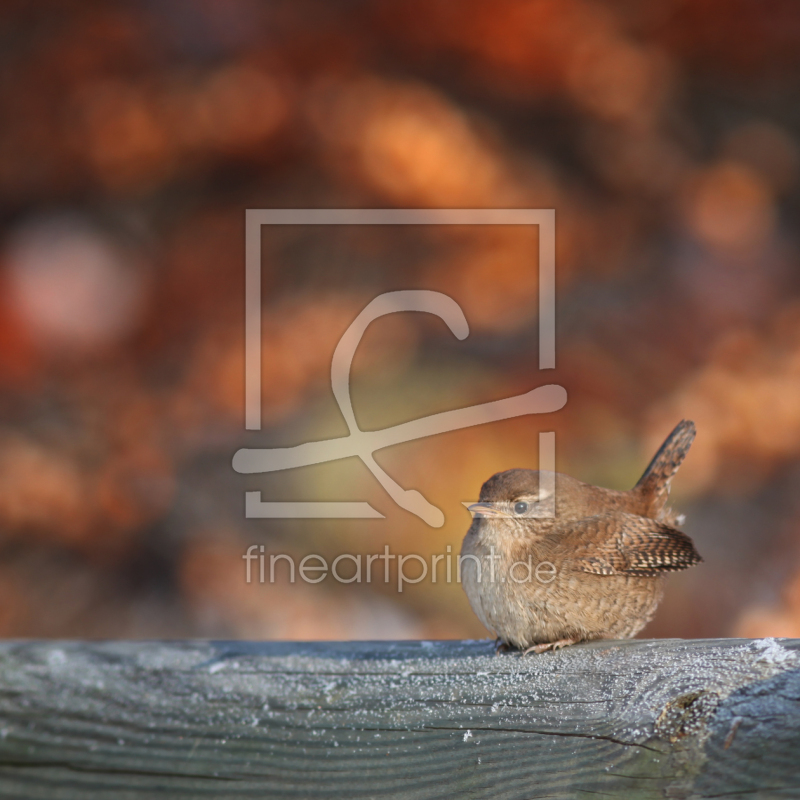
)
(404, 719)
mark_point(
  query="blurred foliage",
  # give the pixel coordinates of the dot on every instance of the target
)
(135, 134)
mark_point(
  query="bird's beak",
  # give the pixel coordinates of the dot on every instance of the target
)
(485, 510)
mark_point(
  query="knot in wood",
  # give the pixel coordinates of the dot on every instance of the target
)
(686, 715)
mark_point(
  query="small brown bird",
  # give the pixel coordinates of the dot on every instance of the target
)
(546, 569)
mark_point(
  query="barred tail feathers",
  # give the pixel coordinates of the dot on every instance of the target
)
(655, 482)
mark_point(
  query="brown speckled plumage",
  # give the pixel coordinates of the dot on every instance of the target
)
(601, 555)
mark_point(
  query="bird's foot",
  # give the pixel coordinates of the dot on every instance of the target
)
(545, 646)
(501, 647)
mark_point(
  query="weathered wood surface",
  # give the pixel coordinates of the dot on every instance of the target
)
(667, 718)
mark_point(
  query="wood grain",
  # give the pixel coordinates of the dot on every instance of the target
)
(642, 719)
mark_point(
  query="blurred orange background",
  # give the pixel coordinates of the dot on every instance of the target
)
(135, 134)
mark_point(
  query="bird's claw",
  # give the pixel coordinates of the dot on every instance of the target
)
(543, 647)
(501, 647)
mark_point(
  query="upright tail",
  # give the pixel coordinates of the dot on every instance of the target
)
(654, 484)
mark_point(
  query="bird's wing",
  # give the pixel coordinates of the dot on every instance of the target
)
(626, 544)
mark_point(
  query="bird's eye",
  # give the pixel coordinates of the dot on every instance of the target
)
(521, 507)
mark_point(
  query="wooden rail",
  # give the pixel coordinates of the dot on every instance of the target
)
(669, 718)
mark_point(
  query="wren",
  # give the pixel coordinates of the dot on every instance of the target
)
(573, 562)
